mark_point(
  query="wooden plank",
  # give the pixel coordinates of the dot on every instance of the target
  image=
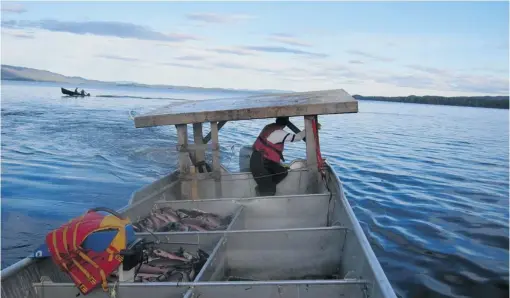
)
(208, 136)
(184, 160)
(215, 143)
(216, 166)
(252, 107)
(193, 147)
(182, 139)
(199, 154)
(311, 154)
(194, 184)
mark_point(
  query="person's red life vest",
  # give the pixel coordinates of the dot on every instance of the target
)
(269, 150)
(87, 268)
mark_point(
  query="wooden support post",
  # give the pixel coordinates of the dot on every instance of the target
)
(194, 183)
(311, 155)
(199, 154)
(208, 136)
(216, 166)
(184, 160)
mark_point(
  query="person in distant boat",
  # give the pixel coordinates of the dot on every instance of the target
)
(76, 90)
(265, 163)
(82, 92)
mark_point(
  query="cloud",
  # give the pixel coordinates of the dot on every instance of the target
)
(408, 81)
(217, 18)
(270, 49)
(370, 56)
(191, 58)
(356, 62)
(13, 8)
(184, 65)
(23, 35)
(233, 51)
(445, 80)
(120, 58)
(239, 66)
(101, 28)
(431, 70)
(481, 84)
(288, 39)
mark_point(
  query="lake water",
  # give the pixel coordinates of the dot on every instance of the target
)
(429, 184)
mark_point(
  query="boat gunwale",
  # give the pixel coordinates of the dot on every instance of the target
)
(223, 283)
(276, 197)
(371, 258)
(284, 230)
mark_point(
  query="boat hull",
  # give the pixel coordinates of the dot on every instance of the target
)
(270, 240)
(72, 93)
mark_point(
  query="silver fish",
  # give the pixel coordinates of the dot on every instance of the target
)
(158, 222)
(178, 276)
(145, 268)
(169, 217)
(166, 263)
(174, 226)
(147, 275)
(164, 254)
(211, 221)
(195, 222)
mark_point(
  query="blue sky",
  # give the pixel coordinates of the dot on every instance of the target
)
(372, 48)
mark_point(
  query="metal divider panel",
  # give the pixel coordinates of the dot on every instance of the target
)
(215, 264)
(350, 289)
(219, 207)
(303, 211)
(285, 254)
(279, 212)
(190, 241)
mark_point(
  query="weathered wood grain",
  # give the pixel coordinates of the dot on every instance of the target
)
(251, 107)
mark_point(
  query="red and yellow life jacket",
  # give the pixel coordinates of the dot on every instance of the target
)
(87, 268)
(269, 150)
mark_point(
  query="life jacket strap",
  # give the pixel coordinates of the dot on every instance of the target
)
(272, 147)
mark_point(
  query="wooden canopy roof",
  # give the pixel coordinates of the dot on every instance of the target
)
(251, 107)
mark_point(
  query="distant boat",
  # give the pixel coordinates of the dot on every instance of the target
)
(72, 93)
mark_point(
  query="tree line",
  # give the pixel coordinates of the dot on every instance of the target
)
(497, 102)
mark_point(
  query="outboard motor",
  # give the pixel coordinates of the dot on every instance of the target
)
(244, 158)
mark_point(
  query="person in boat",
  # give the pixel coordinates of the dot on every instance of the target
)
(267, 153)
(76, 90)
(82, 92)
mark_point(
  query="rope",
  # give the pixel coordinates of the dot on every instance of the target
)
(320, 160)
(321, 163)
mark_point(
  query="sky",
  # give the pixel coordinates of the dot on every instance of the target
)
(367, 48)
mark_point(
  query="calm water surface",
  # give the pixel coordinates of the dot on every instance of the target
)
(429, 184)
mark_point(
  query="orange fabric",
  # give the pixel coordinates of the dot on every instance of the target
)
(87, 268)
(269, 150)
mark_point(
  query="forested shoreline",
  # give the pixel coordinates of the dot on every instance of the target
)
(497, 102)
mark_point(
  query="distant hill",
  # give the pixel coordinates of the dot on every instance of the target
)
(16, 73)
(498, 102)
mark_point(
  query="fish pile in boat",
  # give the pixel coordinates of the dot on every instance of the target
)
(163, 266)
(167, 219)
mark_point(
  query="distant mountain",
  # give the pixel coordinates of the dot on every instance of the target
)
(17, 73)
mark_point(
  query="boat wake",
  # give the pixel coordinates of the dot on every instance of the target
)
(137, 97)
